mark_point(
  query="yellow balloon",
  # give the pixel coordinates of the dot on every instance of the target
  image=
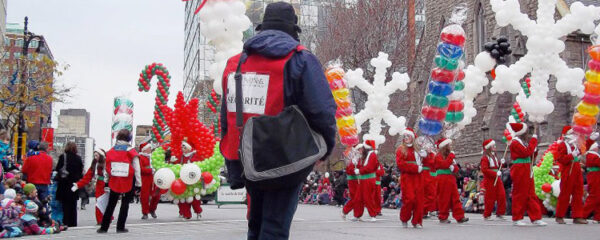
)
(341, 93)
(346, 122)
(592, 76)
(588, 109)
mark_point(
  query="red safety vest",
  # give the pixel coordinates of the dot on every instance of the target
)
(119, 167)
(262, 92)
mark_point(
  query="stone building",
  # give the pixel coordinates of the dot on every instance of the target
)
(493, 110)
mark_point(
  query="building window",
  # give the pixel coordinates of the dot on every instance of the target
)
(19, 42)
(34, 44)
(479, 27)
(6, 41)
(17, 55)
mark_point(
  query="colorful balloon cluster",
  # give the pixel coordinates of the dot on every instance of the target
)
(344, 114)
(188, 181)
(584, 120)
(543, 181)
(441, 85)
(162, 96)
(456, 106)
(213, 104)
(123, 115)
(516, 112)
(183, 123)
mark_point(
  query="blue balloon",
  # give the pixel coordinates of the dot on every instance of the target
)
(440, 88)
(449, 50)
(430, 127)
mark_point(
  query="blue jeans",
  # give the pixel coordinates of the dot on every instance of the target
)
(42, 190)
(271, 213)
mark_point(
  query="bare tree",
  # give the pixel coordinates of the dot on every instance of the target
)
(355, 32)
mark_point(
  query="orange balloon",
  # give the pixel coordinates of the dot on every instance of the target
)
(334, 73)
(343, 103)
(592, 88)
(594, 52)
(584, 120)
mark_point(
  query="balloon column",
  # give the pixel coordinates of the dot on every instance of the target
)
(456, 106)
(584, 120)
(224, 24)
(162, 96)
(192, 180)
(213, 104)
(123, 115)
(344, 114)
(516, 113)
(544, 45)
(442, 82)
(378, 98)
(543, 181)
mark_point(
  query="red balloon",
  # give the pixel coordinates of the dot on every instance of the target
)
(442, 75)
(433, 113)
(207, 177)
(456, 106)
(163, 191)
(547, 188)
(178, 187)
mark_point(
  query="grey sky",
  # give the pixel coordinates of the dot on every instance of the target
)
(107, 43)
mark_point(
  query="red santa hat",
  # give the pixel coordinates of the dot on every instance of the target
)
(145, 145)
(442, 142)
(487, 144)
(566, 130)
(591, 144)
(369, 144)
(410, 132)
(518, 128)
(101, 152)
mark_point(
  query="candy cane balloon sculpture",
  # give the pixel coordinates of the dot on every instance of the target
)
(159, 125)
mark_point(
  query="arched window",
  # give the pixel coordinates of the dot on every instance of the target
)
(479, 27)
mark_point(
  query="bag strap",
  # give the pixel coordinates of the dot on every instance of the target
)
(239, 118)
(64, 167)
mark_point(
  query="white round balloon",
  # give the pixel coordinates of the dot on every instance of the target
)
(190, 173)
(163, 178)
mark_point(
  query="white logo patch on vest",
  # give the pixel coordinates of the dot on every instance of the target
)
(119, 169)
(254, 92)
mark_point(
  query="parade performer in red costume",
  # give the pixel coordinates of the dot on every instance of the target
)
(149, 194)
(365, 171)
(185, 208)
(96, 169)
(447, 189)
(379, 198)
(571, 183)
(429, 185)
(353, 187)
(592, 163)
(523, 192)
(492, 181)
(411, 182)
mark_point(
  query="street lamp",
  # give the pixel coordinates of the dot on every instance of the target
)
(27, 38)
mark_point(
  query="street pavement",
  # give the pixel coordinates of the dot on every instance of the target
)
(314, 222)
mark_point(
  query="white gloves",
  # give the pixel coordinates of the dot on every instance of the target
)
(499, 173)
(422, 153)
(534, 136)
(502, 161)
(451, 168)
(173, 159)
(356, 171)
(420, 169)
(74, 187)
(107, 189)
(575, 153)
(594, 136)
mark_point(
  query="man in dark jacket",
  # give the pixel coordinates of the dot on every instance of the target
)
(304, 84)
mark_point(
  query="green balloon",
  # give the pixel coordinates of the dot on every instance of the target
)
(436, 101)
(454, 117)
(459, 86)
(443, 62)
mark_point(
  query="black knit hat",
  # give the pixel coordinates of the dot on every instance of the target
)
(280, 16)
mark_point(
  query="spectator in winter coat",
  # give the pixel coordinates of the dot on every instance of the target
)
(5, 152)
(74, 171)
(29, 221)
(9, 219)
(38, 169)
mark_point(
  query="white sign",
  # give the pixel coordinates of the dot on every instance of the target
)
(227, 195)
(254, 92)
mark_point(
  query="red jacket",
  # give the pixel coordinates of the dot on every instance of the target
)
(407, 162)
(369, 165)
(487, 168)
(38, 168)
(565, 158)
(87, 178)
(519, 150)
(379, 173)
(592, 159)
(445, 163)
(145, 165)
(124, 158)
(429, 162)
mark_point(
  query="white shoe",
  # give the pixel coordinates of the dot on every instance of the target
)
(539, 223)
(343, 216)
(418, 226)
(355, 219)
(180, 216)
(404, 224)
(359, 219)
(519, 223)
(198, 216)
(488, 219)
(500, 218)
(596, 222)
(373, 219)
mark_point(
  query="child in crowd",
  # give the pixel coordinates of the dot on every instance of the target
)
(30, 221)
(43, 213)
(10, 220)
